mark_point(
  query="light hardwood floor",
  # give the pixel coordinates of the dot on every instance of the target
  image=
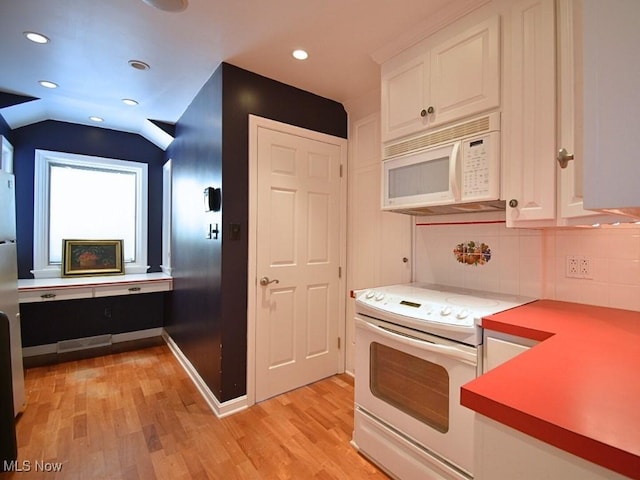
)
(136, 415)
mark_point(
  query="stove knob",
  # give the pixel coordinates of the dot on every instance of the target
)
(369, 294)
(464, 313)
(379, 296)
(445, 311)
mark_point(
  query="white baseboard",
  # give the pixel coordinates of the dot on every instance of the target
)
(220, 409)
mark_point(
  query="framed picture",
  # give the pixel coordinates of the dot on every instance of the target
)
(92, 257)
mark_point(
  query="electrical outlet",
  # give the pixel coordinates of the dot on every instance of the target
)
(584, 267)
(578, 266)
(572, 267)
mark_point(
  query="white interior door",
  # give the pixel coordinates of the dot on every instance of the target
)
(298, 250)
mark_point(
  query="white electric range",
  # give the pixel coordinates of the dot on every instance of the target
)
(416, 345)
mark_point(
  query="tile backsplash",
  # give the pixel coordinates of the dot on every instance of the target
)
(534, 262)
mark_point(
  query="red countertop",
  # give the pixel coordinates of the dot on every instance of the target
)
(579, 389)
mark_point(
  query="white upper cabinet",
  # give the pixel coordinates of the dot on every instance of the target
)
(465, 73)
(611, 40)
(434, 85)
(545, 118)
(405, 98)
(529, 126)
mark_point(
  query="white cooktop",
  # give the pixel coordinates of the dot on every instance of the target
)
(449, 312)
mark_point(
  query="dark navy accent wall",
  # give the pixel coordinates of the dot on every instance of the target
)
(5, 131)
(195, 320)
(84, 140)
(209, 313)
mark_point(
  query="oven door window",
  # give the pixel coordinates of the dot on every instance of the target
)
(415, 386)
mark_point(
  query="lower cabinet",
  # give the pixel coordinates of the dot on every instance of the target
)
(498, 348)
(51, 322)
(503, 453)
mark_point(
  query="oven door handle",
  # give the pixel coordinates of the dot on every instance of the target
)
(446, 350)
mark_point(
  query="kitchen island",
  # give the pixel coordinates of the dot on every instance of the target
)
(577, 390)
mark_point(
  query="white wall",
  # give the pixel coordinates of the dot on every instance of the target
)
(533, 262)
(615, 259)
(515, 267)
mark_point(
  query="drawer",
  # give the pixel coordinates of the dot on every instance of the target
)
(54, 294)
(132, 288)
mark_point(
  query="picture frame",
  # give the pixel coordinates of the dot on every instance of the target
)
(92, 257)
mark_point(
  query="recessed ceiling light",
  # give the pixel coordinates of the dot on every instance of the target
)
(139, 65)
(36, 37)
(168, 5)
(96, 119)
(300, 54)
(129, 101)
(48, 84)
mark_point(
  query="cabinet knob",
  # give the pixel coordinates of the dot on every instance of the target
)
(563, 157)
(428, 111)
(513, 203)
(405, 259)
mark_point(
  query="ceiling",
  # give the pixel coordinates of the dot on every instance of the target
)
(91, 43)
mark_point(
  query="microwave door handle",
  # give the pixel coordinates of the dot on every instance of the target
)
(445, 350)
(455, 172)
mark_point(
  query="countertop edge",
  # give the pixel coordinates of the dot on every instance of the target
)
(562, 328)
(607, 456)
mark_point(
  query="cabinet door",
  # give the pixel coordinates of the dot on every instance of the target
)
(570, 110)
(465, 73)
(379, 243)
(611, 77)
(405, 91)
(499, 351)
(529, 129)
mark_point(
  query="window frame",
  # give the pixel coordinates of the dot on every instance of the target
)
(41, 196)
(167, 180)
(6, 158)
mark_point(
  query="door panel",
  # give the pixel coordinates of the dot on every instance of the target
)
(298, 251)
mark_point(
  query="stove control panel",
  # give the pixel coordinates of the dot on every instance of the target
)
(416, 309)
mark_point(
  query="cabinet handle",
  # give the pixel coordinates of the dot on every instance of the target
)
(135, 289)
(563, 157)
(513, 203)
(46, 296)
(429, 111)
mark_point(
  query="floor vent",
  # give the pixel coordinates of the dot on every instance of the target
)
(84, 343)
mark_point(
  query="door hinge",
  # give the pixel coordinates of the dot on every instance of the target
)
(339, 343)
(339, 272)
(340, 170)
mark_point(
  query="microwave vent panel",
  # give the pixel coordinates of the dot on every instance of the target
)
(461, 130)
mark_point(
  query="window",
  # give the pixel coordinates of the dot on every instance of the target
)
(166, 217)
(6, 156)
(83, 197)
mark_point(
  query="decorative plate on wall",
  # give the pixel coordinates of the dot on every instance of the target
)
(472, 253)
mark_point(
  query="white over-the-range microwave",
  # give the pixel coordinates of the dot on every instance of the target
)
(451, 170)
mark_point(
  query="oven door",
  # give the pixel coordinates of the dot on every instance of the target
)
(411, 381)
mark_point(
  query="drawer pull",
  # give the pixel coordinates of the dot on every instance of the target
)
(48, 295)
(134, 289)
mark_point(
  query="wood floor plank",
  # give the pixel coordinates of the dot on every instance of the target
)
(137, 415)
